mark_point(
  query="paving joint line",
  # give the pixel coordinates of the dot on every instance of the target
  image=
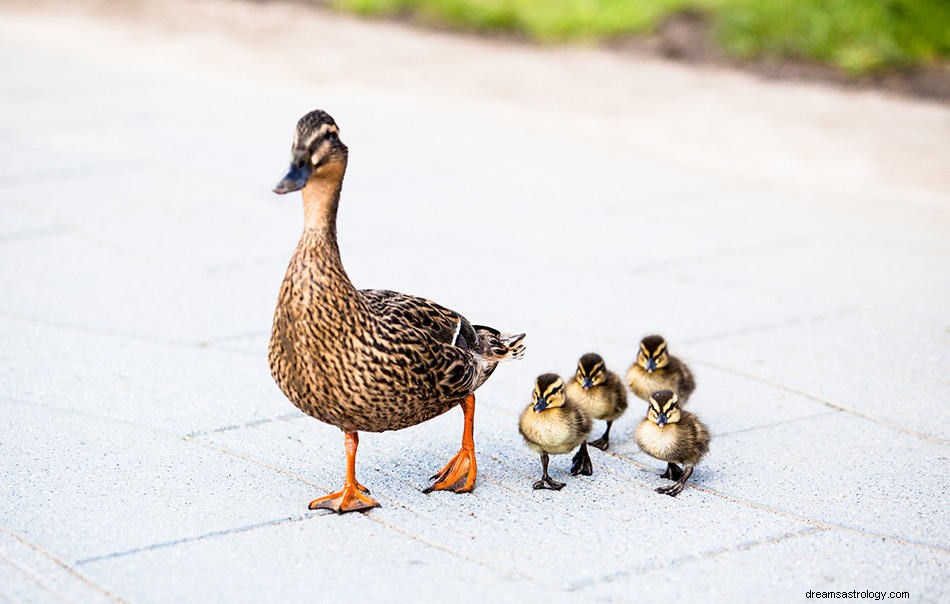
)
(33, 577)
(826, 524)
(250, 424)
(202, 537)
(697, 557)
(121, 335)
(34, 233)
(827, 403)
(64, 565)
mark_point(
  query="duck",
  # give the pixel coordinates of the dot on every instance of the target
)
(673, 436)
(554, 424)
(656, 369)
(600, 392)
(368, 360)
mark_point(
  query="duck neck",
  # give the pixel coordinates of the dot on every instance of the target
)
(321, 198)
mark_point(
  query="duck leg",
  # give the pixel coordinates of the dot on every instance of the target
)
(673, 471)
(352, 497)
(459, 474)
(604, 441)
(674, 489)
(580, 463)
(546, 481)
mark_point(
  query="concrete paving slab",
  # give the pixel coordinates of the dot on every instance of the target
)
(28, 573)
(861, 346)
(173, 389)
(772, 571)
(889, 484)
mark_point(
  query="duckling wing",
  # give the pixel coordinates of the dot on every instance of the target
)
(443, 324)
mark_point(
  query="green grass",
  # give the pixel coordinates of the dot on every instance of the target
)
(858, 36)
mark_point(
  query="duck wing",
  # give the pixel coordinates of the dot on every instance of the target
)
(443, 324)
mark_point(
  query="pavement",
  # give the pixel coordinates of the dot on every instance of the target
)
(789, 239)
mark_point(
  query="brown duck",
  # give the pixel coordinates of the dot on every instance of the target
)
(368, 360)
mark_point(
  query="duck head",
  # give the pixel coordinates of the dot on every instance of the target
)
(316, 149)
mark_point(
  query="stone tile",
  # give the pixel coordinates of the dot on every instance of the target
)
(838, 469)
(175, 389)
(86, 487)
(785, 570)
(30, 574)
(871, 363)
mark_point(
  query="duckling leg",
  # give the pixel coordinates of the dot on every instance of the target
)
(673, 471)
(351, 498)
(546, 481)
(604, 441)
(580, 463)
(674, 489)
(459, 474)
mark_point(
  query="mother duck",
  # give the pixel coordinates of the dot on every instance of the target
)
(368, 360)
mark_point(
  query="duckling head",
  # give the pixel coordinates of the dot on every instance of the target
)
(652, 354)
(590, 371)
(316, 150)
(664, 408)
(548, 392)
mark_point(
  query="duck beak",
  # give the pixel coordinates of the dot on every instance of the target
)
(295, 179)
(541, 405)
(586, 384)
(661, 419)
(651, 365)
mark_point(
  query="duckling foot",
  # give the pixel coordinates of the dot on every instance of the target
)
(604, 441)
(548, 483)
(677, 487)
(350, 499)
(673, 471)
(580, 463)
(459, 474)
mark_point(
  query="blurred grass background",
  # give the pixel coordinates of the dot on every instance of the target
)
(858, 37)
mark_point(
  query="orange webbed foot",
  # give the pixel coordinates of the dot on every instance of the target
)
(458, 475)
(350, 499)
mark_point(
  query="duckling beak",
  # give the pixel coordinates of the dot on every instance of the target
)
(541, 405)
(651, 365)
(295, 179)
(661, 419)
(586, 384)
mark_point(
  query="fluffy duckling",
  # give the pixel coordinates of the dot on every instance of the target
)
(673, 436)
(600, 392)
(655, 369)
(554, 424)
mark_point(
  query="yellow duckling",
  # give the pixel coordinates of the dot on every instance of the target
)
(554, 424)
(600, 392)
(673, 436)
(655, 369)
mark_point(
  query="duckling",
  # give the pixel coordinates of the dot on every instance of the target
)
(600, 392)
(655, 369)
(368, 360)
(673, 436)
(554, 424)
